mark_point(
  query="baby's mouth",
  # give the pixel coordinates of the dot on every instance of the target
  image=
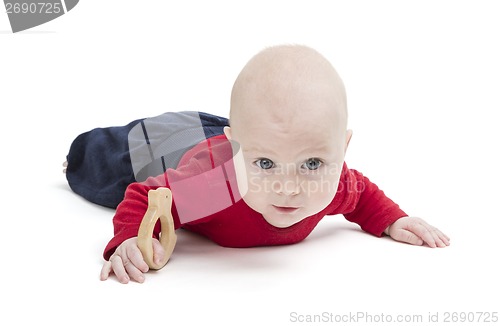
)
(285, 209)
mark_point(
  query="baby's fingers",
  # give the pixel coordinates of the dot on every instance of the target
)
(442, 240)
(406, 236)
(134, 264)
(118, 268)
(135, 256)
(105, 271)
(158, 252)
(430, 235)
(416, 231)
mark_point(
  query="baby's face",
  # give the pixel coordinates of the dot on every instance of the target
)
(288, 113)
(292, 169)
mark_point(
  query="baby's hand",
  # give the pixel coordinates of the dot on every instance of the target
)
(127, 261)
(416, 231)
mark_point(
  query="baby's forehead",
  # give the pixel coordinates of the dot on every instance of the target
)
(303, 145)
(309, 108)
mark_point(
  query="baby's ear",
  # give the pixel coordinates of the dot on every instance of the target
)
(348, 135)
(227, 132)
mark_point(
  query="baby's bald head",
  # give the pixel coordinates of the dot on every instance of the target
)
(288, 85)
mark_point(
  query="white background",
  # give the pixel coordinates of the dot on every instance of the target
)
(423, 86)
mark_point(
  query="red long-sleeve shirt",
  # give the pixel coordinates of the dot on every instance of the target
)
(238, 225)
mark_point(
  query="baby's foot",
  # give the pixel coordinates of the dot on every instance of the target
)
(65, 165)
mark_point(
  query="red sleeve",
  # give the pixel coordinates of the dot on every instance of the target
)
(131, 210)
(363, 203)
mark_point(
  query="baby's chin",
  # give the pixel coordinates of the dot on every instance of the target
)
(282, 221)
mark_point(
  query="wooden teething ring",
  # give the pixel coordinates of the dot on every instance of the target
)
(159, 207)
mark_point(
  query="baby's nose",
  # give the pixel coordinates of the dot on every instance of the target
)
(289, 186)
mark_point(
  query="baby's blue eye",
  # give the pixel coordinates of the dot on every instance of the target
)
(265, 163)
(312, 164)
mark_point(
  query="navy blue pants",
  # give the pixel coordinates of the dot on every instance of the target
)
(99, 161)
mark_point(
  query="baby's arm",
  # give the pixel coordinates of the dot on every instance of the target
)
(369, 207)
(128, 263)
(416, 231)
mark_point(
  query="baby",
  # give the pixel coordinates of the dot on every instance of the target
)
(288, 116)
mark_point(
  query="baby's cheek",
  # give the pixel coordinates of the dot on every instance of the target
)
(255, 185)
(255, 201)
(256, 193)
(320, 192)
(319, 185)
